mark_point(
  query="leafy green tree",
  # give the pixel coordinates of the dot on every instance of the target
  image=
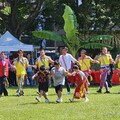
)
(17, 16)
(72, 37)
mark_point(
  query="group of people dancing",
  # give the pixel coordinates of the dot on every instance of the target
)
(64, 67)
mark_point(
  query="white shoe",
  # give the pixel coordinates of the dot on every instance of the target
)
(47, 101)
(38, 99)
(87, 92)
(86, 99)
(71, 100)
(59, 100)
(46, 93)
(68, 93)
(119, 92)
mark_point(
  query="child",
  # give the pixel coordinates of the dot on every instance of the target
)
(43, 83)
(80, 80)
(58, 74)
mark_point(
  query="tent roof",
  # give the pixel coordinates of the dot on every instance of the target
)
(9, 43)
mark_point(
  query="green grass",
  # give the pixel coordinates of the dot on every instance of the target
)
(100, 106)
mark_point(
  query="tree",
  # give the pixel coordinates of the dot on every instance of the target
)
(18, 15)
(72, 37)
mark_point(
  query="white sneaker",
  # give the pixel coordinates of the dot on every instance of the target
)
(47, 101)
(71, 100)
(59, 100)
(86, 99)
(38, 99)
(119, 92)
(87, 92)
(46, 93)
(68, 93)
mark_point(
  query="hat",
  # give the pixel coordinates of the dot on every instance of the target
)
(42, 67)
(56, 63)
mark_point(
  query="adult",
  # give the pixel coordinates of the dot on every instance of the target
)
(105, 59)
(30, 70)
(65, 60)
(45, 60)
(85, 63)
(21, 63)
(4, 68)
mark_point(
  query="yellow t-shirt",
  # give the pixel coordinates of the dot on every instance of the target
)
(118, 62)
(21, 66)
(105, 60)
(85, 63)
(42, 61)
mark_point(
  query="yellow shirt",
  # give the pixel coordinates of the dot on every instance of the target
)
(42, 61)
(118, 57)
(85, 63)
(105, 60)
(21, 66)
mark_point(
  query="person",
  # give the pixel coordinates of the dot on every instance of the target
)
(85, 63)
(80, 80)
(117, 61)
(4, 69)
(20, 64)
(65, 61)
(58, 74)
(12, 74)
(30, 70)
(43, 60)
(105, 60)
(42, 75)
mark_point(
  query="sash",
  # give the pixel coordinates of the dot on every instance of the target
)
(22, 63)
(64, 62)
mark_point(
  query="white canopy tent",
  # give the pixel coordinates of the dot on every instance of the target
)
(9, 43)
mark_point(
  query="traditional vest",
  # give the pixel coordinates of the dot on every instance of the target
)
(119, 62)
(104, 60)
(85, 63)
(4, 68)
(42, 61)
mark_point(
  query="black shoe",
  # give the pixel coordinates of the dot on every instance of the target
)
(107, 92)
(99, 91)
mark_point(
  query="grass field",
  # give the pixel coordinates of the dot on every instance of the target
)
(100, 107)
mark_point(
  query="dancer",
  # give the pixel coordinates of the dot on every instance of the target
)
(65, 61)
(20, 64)
(85, 62)
(105, 60)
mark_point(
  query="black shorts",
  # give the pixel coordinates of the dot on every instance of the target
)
(43, 86)
(58, 88)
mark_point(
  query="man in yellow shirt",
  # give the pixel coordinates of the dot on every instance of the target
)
(105, 60)
(43, 60)
(20, 64)
(85, 63)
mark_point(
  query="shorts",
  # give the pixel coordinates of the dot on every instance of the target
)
(58, 88)
(43, 86)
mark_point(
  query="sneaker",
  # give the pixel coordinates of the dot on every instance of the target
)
(38, 99)
(86, 99)
(119, 92)
(46, 93)
(107, 92)
(47, 101)
(59, 100)
(68, 93)
(99, 91)
(71, 100)
(87, 92)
